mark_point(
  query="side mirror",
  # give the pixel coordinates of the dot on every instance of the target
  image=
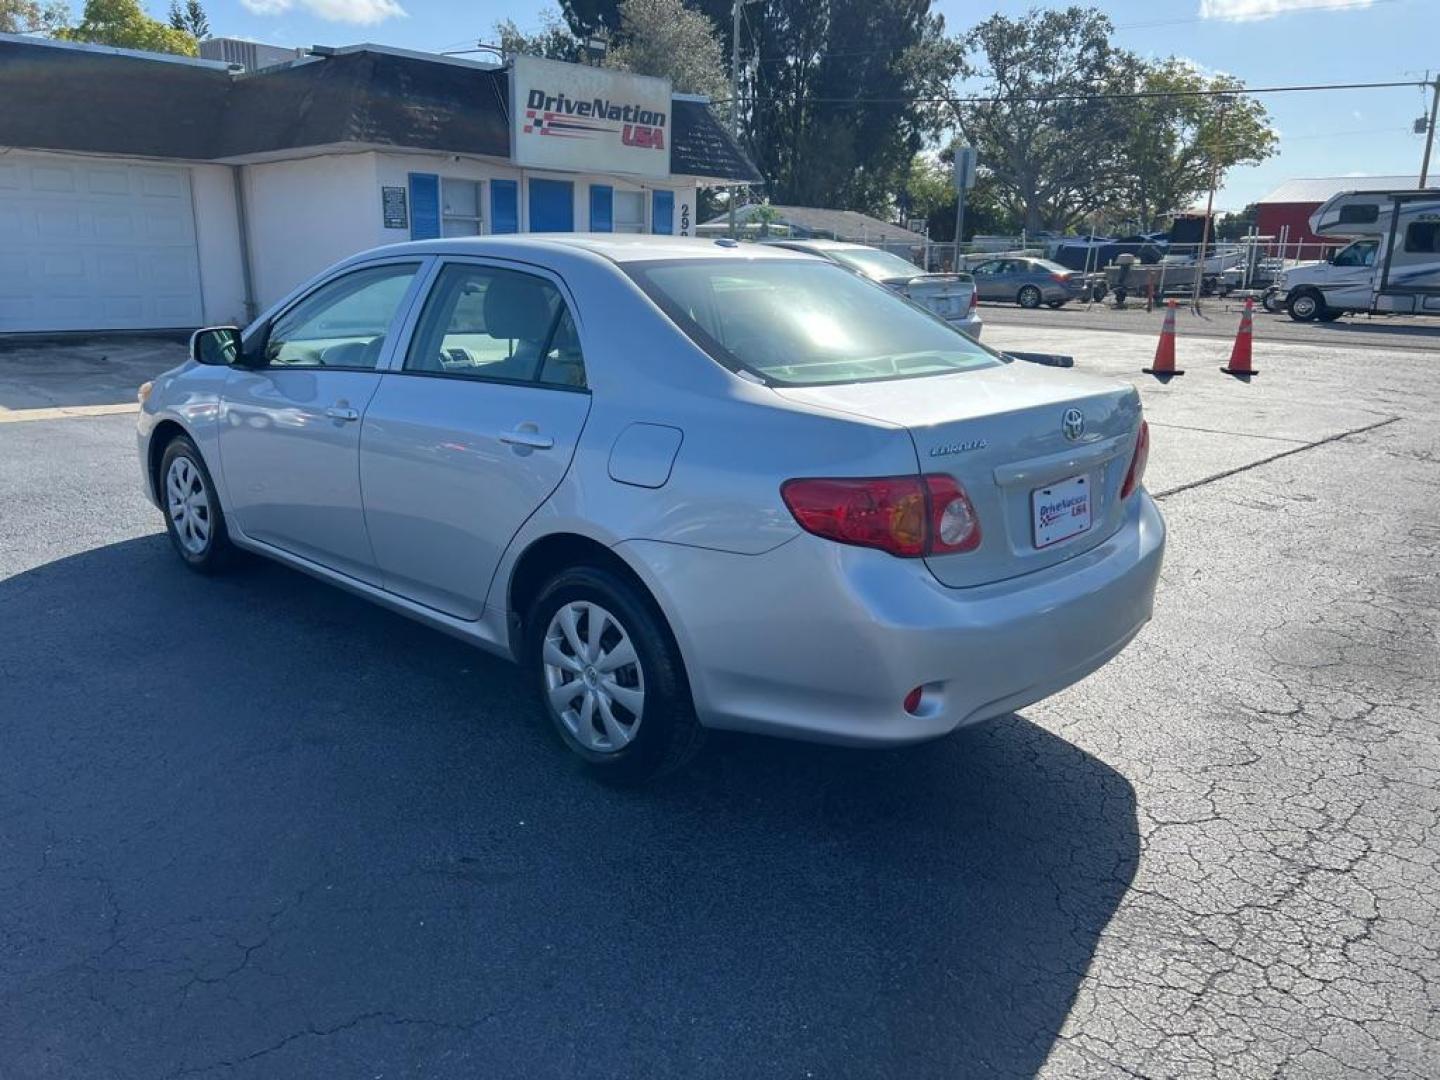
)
(217, 346)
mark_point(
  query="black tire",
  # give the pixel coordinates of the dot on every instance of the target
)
(1121, 295)
(1055, 305)
(1028, 297)
(217, 553)
(1307, 305)
(667, 734)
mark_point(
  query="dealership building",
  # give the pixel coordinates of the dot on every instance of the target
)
(140, 191)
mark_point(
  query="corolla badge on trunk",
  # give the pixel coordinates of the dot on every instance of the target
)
(1073, 424)
(959, 447)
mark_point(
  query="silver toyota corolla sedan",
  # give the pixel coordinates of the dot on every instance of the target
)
(685, 484)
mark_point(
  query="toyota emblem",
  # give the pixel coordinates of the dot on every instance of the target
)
(1073, 424)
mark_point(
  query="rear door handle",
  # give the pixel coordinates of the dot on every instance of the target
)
(339, 412)
(531, 439)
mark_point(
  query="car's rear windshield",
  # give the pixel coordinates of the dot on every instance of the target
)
(877, 264)
(804, 322)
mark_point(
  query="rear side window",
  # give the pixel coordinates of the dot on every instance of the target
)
(485, 322)
(804, 323)
(1423, 237)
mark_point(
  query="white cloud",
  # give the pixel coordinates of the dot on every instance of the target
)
(361, 12)
(1248, 10)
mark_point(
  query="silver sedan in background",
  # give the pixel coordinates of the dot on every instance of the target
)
(951, 296)
(685, 484)
(1030, 282)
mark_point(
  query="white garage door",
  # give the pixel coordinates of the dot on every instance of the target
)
(89, 244)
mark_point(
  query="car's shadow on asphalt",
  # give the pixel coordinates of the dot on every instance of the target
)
(256, 816)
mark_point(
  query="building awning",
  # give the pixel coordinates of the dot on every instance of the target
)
(60, 97)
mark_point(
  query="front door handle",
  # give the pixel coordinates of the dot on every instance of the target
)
(340, 412)
(527, 438)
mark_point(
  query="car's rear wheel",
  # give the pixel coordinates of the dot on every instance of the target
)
(1028, 297)
(193, 517)
(610, 676)
(1306, 306)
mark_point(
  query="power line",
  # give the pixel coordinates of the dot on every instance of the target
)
(1129, 95)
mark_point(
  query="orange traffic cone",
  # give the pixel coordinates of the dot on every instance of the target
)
(1164, 365)
(1240, 354)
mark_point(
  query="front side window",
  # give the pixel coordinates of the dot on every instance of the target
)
(1357, 255)
(485, 322)
(1423, 236)
(343, 323)
(804, 322)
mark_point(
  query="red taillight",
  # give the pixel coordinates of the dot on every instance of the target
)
(1061, 278)
(912, 700)
(1136, 475)
(974, 299)
(908, 516)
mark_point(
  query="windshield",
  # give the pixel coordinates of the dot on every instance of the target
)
(804, 322)
(875, 264)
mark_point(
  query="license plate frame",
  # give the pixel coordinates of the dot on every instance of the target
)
(1061, 511)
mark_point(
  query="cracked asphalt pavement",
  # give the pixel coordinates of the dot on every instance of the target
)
(255, 828)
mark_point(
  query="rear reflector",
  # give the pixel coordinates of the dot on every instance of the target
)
(912, 700)
(1141, 458)
(907, 516)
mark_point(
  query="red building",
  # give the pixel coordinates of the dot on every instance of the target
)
(1291, 204)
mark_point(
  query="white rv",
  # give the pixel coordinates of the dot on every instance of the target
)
(1391, 266)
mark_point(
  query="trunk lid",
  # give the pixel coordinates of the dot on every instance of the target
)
(1000, 432)
(947, 295)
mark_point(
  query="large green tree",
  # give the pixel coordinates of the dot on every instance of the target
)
(829, 97)
(554, 40)
(651, 37)
(1174, 145)
(124, 24)
(1044, 134)
(667, 38)
(32, 16)
(191, 18)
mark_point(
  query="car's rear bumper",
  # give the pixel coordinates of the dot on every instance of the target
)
(821, 641)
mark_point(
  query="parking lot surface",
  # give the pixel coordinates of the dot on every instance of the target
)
(254, 827)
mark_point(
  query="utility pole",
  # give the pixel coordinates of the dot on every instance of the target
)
(734, 98)
(1209, 208)
(1430, 134)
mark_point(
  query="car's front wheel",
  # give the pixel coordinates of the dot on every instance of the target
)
(193, 517)
(610, 676)
(1029, 297)
(1306, 305)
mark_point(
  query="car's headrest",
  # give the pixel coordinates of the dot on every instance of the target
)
(517, 307)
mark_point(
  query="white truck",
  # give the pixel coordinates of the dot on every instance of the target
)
(1392, 266)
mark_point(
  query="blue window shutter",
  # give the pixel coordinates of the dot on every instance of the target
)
(602, 208)
(504, 206)
(424, 206)
(662, 213)
(551, 205)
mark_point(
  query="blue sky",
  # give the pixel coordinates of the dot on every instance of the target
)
(1264, 42)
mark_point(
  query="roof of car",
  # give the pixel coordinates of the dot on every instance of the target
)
(615, 247)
